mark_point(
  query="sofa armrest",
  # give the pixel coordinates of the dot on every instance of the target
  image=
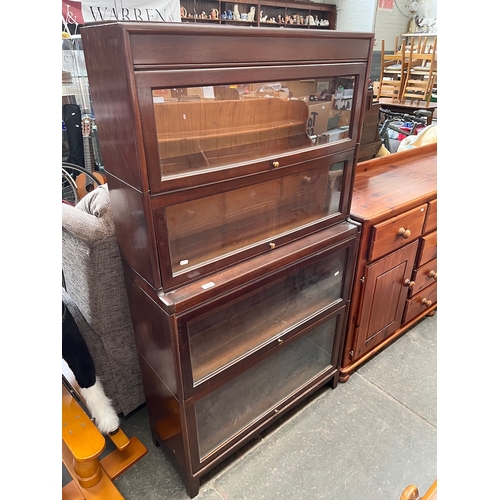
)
(84, 226)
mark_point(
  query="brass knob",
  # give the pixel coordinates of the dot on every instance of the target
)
(276, 410)
(307, 179)
(433, 274)
(276, 164)
(405, 233)
(280, 341)
(410, 284)
(426, 302)
(272, 245)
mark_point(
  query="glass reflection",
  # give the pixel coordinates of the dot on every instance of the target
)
(200, 128)
(213, 226)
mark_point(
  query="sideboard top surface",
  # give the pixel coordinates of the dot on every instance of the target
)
(394, 182)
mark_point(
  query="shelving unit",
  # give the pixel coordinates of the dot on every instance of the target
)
(237, 248)
(76, 91)
(275, 13)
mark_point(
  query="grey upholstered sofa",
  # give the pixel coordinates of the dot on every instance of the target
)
(95, 295)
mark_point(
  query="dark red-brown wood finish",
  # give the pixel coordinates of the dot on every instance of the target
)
(126, 61)
(238, 253)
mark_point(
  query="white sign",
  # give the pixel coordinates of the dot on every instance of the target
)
(166, 11)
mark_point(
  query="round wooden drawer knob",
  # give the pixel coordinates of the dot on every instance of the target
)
(276, 164)
(410, 284)
(405, 233)
(433, 274)
(427, 302)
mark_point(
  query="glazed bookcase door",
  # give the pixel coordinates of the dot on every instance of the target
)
(228, 127)
(206, 228)
(226, 332)
(239, 405)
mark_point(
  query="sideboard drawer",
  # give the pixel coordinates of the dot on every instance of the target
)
(420, 302)
(424, 276)
(431, 220)
(397, 232)
(428, 250)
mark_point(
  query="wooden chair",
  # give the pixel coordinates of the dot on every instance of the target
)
(391, 72)
(82, 445)
(411, 493)
(421, 72)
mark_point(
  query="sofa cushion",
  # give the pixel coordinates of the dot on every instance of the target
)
(97, 203)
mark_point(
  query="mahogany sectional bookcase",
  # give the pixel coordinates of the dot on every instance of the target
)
(230, 156)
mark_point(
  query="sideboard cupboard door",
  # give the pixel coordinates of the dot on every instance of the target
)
(384, 297)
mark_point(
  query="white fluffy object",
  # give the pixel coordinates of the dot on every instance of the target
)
(100, 407)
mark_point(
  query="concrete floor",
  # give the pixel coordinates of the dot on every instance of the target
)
(365, 440)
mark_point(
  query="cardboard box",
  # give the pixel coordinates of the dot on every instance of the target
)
(319, 114)
(299, 88)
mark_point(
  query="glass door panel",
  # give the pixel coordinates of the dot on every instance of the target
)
(202, 128)
(215, 226)
(237, 328)
(235, 405)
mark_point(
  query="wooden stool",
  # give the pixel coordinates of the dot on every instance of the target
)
(82, 443)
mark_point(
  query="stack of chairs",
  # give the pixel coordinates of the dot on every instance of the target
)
(420, 72)
(391, 72)
(410, 72)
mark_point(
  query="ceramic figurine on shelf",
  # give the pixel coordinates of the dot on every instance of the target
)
(214, 14)
(251, 14)
(236, 14)
(183, 12)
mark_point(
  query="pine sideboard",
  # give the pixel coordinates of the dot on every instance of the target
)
(395, 283)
